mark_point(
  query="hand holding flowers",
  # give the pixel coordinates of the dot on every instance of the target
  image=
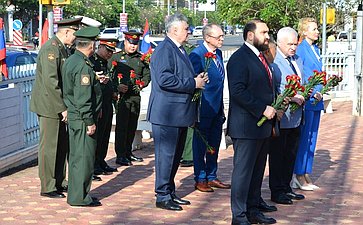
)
(315, 79)
(208, 58)
(291, 88)
(330, 83)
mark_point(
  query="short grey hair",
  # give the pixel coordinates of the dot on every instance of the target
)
(285, 32)
(173, 19)
(83, 43)
(207, 29)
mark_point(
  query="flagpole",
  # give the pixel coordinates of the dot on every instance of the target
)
(40, 23)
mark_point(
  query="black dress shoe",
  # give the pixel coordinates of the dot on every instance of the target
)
(96, 178)
(257, 218)
(100, 171)
(263, 207)
(53, 194)
(295, 196)
(94, 203)
(135, 158)
(179, 201)
(186, 163)
(240, 223)
(282, 199)
(109, 169)
(123, 161)
(169, 205)
(62, 189)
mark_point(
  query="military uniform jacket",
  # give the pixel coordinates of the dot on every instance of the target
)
(100, 64)
(47, 96)
(82, 92)
(126, 63)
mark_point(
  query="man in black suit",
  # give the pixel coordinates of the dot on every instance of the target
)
(251, 94)
(171, 109)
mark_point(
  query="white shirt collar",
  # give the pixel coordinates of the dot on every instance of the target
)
(253, 48)
(175, 42)
(207, 47)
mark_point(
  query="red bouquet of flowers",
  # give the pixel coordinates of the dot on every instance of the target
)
(147, 56)
(208, 58)
(330, 83)
(291, 88)
(315, 79)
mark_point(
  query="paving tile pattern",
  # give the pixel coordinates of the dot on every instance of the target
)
(128, 195)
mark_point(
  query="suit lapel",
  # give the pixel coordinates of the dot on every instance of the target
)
(184, 57)
(258, 63)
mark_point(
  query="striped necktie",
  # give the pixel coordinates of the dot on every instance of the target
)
(289, 58)
(220, 67)
(264, 62)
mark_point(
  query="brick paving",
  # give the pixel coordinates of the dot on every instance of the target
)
(128, 197)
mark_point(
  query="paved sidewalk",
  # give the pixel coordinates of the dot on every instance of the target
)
(128, 195)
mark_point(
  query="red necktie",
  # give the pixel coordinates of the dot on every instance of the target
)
(263, 60)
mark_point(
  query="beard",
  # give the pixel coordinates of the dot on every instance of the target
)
(260, 46)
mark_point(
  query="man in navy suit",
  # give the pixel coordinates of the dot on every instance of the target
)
(283, 148)
(171, 109)
(251, 94)
(211, 115)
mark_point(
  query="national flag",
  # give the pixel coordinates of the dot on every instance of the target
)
(3, 68)
(45, 36)
(145, 43)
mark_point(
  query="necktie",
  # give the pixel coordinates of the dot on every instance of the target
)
(182, 50)
(291, 65)
(263, 60)
(219, 65)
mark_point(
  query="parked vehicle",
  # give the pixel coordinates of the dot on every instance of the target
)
(197, 32)
(112, 33)
(19, 57)
(344, 35)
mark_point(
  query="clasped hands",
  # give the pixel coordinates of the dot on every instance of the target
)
(201, 79)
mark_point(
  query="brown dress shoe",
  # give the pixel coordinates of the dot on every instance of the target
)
(218, 184)
(203, 187)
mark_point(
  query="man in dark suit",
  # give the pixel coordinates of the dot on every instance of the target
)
(171, 109)
(211, 110)
(251, 94)
(283, 149)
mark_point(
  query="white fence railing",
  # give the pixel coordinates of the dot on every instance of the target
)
(19, 126)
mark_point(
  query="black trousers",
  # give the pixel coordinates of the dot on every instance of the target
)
(104, 125)
(282, 157)
(126, 125)
(249, 163)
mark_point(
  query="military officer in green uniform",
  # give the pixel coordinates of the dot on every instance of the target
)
(83, 98)
(47, 102)
(131, 75)
(99, 59)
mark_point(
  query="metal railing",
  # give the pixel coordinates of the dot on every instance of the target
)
(23, 77)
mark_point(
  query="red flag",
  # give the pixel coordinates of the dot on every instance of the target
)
(145, 44)
(3, 68)
(45, 36)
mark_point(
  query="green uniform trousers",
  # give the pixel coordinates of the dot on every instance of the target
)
(81, 163)
(104, 126)
(126, 124)
(188, 147)
(52, 154)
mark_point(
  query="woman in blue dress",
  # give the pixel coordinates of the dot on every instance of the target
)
(309, 53)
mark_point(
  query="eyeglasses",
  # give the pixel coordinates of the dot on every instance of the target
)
(218, 37)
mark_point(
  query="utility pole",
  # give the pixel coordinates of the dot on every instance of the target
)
(358, 94)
